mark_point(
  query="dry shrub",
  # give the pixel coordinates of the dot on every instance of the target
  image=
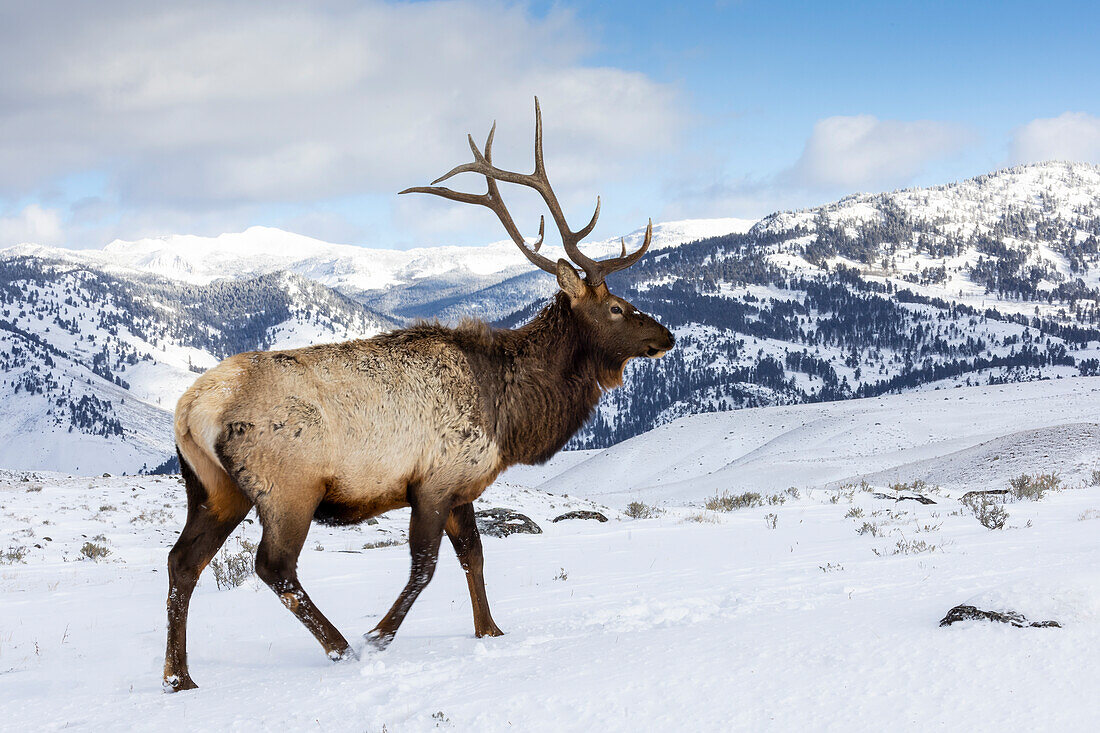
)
(727, 502)
(231, 569)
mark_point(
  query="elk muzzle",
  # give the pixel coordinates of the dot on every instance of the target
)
(658, 347)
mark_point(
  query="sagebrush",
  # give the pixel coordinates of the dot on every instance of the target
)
(989, 513)
(1032, 487)
(231, 569)
(641, 510)
(727, 502)
(94, 551)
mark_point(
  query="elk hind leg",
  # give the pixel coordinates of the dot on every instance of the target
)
(462, 530)
(204, 532)
(425, 534)
(285, 530)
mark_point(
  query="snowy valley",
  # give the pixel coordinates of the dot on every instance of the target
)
(877, 411)
(751, 614)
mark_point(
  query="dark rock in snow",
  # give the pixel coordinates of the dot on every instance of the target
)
(916, 497)
(498, 522)
(972, 613)
(989, 492)
(582, 514)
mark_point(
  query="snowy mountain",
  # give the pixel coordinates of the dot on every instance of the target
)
(993, 279)
(394, 278)
(815, 597)
(97, 345)
(990, 280)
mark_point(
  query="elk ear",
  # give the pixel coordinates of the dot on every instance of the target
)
(570, 281)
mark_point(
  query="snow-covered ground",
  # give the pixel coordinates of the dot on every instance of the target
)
(956, 438)
(817, 610)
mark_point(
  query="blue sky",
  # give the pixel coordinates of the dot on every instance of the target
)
(126, 120)
(766, 72)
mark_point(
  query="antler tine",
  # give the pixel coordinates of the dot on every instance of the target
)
(443, 191)
(589, 265)
(587, 229)
(595, 270)
(540, 166)
(501, 210)
(608, 266)
(490, 199)
(541, 183)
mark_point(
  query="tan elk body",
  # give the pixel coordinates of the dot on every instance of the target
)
(350, 424)
(424, 417)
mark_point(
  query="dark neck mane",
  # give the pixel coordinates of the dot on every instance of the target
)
(539, 383)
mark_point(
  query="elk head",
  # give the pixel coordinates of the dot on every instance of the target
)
(615, 328)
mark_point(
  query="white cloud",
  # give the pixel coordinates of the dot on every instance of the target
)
(1073, 136)
(862, 152)
(219, 104)
(842, 155)
(31, 225)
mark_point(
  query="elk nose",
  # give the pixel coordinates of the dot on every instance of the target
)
(658, 348)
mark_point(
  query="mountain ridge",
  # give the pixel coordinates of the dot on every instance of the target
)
(179, 256)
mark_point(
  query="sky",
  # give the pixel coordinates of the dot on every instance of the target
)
(129, 119)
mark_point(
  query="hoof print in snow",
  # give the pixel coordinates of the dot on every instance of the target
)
(914, 497)
(583, 514)
(498, 522)
(972, 613)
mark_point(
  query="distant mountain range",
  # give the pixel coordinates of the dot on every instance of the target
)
(996, 278)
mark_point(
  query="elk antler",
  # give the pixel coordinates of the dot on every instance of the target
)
(595, 270)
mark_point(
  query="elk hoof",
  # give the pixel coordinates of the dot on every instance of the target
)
(378, 640)
(175, 683)
(345, 655)
(493, 631)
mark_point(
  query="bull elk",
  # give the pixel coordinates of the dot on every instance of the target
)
(423, 417)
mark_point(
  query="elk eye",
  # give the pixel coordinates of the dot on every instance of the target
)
(616, 310)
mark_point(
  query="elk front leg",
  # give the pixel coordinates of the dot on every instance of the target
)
(425, 533)
(462, 531)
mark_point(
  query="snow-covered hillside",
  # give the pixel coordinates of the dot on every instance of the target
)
(953, 438)
(992, 279)
(805, 609)
(91, 365)
(1018, 232)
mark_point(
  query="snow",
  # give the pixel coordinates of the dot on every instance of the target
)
(693, 620)
(32, 435)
